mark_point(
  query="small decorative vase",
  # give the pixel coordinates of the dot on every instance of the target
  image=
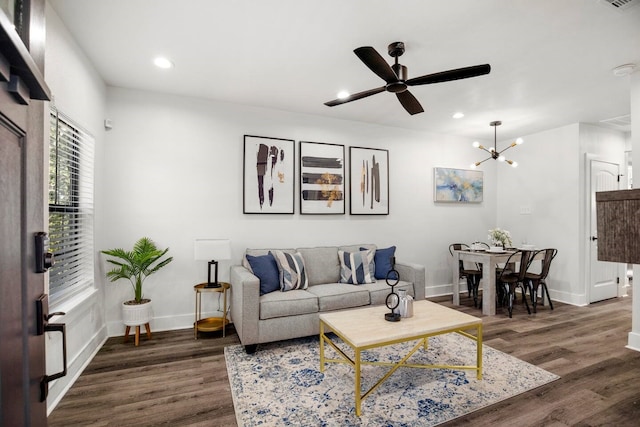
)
(406, 303)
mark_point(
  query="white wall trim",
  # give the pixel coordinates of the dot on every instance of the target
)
(568, 298)
(58, 388)
(634, 341)
(116, 328)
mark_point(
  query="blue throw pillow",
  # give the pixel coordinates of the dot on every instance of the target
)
(382, 260)
(266, 269)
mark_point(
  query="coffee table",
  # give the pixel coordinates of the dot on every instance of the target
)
(365, 328)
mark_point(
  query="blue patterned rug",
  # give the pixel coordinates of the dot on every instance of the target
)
(281, 384)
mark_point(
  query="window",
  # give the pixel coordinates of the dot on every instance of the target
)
(71, 154)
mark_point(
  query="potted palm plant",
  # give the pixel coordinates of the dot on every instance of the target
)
(136, 265)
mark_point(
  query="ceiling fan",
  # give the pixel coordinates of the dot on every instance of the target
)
(396, 80)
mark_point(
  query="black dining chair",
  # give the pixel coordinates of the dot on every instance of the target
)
(512, 278)
(534, 280)
(471, 275)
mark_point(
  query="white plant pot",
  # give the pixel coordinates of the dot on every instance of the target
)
(136, 314)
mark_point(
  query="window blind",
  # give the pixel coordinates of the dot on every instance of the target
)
(71, 163)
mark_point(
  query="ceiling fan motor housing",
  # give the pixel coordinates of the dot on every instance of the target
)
(401, 73)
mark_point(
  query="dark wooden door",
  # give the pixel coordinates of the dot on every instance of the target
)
(22, 214)
(12, 355)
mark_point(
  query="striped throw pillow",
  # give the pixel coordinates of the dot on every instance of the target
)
(291, 269)
(357, 267)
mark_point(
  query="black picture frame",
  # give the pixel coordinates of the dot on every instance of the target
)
(322, 178)
(369, 181)
(268, 181)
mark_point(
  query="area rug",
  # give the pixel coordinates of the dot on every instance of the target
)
(281, 384)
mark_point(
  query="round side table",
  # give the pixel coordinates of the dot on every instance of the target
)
(210, 324)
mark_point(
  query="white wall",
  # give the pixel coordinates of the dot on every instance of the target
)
(175, 174)
(79, 92)
(550, 181)
(546, 183)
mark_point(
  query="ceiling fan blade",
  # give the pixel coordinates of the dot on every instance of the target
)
(376, 63)
(354, 97)
(445, 76)
(409, 102)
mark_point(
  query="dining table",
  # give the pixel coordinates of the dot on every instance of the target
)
(488, 259)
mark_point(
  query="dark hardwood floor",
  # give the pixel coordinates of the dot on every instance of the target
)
(175, 380)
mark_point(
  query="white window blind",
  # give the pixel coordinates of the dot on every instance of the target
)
(71, 160)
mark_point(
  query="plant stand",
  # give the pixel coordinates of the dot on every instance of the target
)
(136, 315)
(137, 336)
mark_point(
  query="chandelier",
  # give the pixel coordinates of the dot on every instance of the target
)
(493, 151)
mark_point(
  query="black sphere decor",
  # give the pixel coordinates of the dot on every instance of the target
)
(393, 300)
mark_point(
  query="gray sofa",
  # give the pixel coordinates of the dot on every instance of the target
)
(280, 315)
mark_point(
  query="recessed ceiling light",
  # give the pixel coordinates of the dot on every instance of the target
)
(458, 115)
(162, 62)
(343, 94)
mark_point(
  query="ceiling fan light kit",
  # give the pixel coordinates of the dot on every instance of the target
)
(493, 151)
(396, 77)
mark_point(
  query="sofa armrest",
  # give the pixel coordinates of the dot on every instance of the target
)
(414, 273)
(245, 304)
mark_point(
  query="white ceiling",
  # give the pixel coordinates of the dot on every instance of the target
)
(551, 60)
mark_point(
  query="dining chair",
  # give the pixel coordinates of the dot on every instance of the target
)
(534, 280)
(471, 275)
(511, 279)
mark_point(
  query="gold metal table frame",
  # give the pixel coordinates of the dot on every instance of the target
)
(422, 338)
(210, 324)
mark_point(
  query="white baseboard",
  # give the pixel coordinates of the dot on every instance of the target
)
(116, 328)
(633, 342)
(75, 367)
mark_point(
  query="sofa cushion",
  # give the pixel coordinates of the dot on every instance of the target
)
(321, 264)
(292, 272)
(292, 303)
(259, 252)
(357, 267)
(266, 269)
(379, 290)
(383, 261)
(337, 296)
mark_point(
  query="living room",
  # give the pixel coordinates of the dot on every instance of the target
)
(170, 168)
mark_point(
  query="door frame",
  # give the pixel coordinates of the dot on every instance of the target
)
(22, 90)
(586, 242)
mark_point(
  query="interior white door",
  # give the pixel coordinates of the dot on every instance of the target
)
(604, 276)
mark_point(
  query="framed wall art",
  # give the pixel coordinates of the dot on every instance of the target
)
(321, 178)
(269, 175)
(369, 181)
(458, 185)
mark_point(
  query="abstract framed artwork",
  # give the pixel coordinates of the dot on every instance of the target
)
(321, 178)
(458, 185)
(369, 181)
(269, 175)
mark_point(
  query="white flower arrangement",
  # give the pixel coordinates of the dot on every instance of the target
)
(500, 237)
